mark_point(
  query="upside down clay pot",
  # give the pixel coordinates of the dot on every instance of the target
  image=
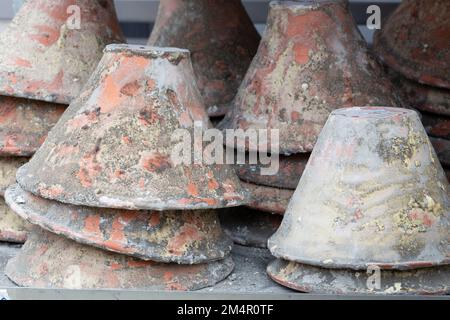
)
(188, 237)
(114, 145)
(311, 60)
(268, 199)
(373, 193)
(311, 279)
(50, 261)
(51, 47)
(414, 41)
(423, 97)
(24, 124)
(221, 38)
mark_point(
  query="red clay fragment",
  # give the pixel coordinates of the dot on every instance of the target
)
(310, 279)
(45, 55)
(373, 193)
(114, 145)
(24, 124)
(188, 237)
(221, 38)
(414, 41)
(50, 261)
(267, 199)
(311, 61)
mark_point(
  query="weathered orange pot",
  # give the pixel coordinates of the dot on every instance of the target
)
(312, 60)
(221, 38)
(50, 261)
(373, 193)
(249, 227)
(414, 41)
(24, 124)
(188, 237)
(114, 146)
(268, 199)
(12, 228)
(45, 56)
(306, 278)
(287, 177)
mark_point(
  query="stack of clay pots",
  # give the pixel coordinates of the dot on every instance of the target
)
(311, 60)
(113, 206)
(371, 213)
(43, 66)
(414, 44)
(223, 41)
(221, 38)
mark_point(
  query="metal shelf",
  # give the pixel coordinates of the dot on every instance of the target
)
(249, 281)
